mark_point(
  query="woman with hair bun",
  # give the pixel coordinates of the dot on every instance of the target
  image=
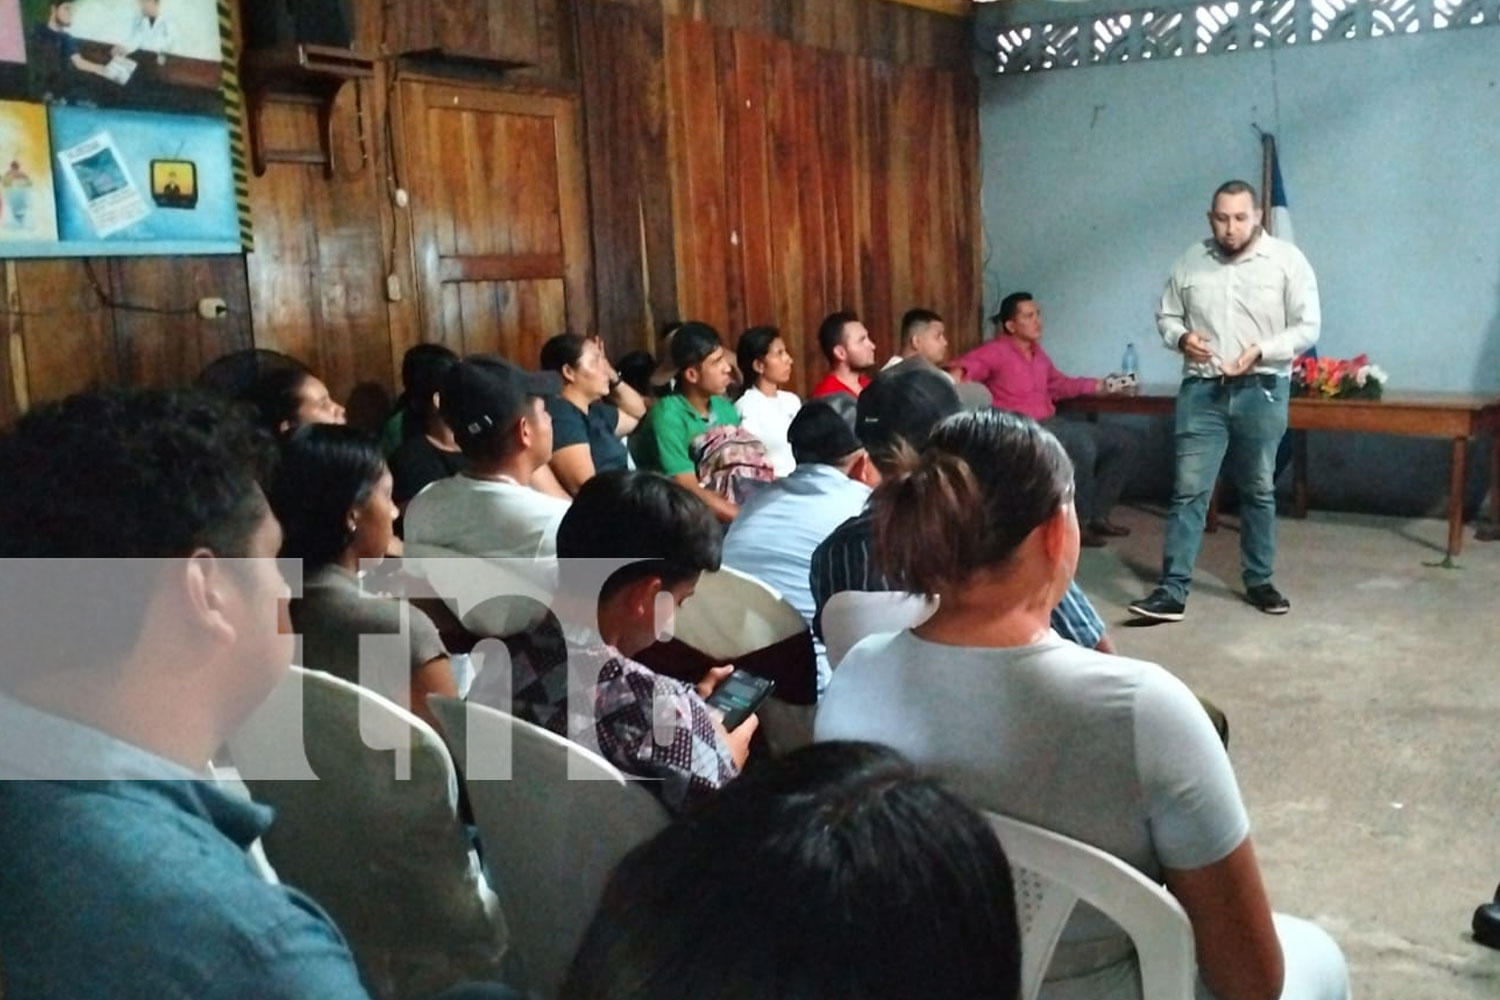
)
(1111, 751)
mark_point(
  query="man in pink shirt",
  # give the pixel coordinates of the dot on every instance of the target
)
(1021, 378)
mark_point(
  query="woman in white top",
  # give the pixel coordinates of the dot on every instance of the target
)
(766, 410)
(1111, 751)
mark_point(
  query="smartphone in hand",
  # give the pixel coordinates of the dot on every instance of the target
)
(739, 696)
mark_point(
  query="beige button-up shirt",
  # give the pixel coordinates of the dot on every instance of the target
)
(1267, 296)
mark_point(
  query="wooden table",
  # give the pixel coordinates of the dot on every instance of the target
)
(1457, 416)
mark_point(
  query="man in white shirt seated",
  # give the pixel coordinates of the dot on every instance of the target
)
(924, 344)
(774, 537)
(499, 420)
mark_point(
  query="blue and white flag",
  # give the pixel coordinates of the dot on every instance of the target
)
(1281, 216)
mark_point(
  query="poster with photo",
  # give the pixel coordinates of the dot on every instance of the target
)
(28, 213)
(142, 178)
(129, 148)
(102, 185)
(142, 54)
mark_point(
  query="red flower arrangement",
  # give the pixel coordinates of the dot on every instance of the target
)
(1331, 378)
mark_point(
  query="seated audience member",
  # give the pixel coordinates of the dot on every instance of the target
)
(284, 399)
(332, 495)
(898, 412)
(126, 871)
(422, 363)
(847, 345)
(989, 697)
(1022, 379)
(584, 684)
(428, 451)
(834, 873)
(924, 336)
(679, 424)
(924, 344)
(774, 537)
(230, 376)
(765, 408)
(499, 419)
(590, 414)
(636, 369)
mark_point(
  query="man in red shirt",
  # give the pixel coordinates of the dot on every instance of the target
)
(848, 347)
(1021, 378)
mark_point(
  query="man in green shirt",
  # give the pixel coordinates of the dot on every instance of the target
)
(663, 442)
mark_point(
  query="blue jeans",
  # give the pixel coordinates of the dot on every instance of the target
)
(1242, 419)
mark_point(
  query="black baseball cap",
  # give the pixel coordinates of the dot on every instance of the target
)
(481, 393)
(822, 432)
(903, 406)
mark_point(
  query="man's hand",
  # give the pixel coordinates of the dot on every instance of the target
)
(739, 739)
(711, 680)
(1195, 345)
(1241, 364)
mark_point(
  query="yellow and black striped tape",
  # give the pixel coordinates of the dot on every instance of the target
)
(234, 114)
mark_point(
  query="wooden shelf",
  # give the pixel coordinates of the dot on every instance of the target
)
(298, 74)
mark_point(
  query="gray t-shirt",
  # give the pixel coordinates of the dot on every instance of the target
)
(1111, 751)
(333, 613)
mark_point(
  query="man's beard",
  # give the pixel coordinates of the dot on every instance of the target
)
(1231, 252)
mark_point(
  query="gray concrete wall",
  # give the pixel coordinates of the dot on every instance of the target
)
(1095, 179)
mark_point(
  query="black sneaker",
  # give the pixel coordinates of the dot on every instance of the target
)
(1159, 607)
(1268, 599)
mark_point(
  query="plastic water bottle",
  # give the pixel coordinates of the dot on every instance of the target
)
(1130, 364)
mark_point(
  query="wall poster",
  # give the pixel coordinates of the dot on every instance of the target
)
(119, 130)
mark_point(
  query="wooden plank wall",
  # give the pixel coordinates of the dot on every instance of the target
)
(807, 180)
(783, 208)
(316, 284)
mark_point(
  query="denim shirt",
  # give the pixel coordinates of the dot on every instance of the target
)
(126, 876)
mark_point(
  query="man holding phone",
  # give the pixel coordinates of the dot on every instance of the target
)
(1239, 308)
(579, 678)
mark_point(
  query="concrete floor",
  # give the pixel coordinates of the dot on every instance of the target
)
(1363, 728)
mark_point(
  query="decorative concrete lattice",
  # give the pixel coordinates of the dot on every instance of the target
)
(1223, 26)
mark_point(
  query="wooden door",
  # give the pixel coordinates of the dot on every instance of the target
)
(497, 208)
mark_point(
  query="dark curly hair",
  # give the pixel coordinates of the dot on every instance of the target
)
(837, 872)
(132, 474)
(117, 474)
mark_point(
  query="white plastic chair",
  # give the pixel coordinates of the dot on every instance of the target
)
(375, 838)
(730, 614)
(554, 819)
(852, 615)
(1053, 873)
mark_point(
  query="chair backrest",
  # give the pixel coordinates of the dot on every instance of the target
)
(851, 615)
(731, 613)
(489, 597)
(1053, 873)
(376, 838)
(554, 819)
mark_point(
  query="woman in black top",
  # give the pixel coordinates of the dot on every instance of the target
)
(427, 452)
(591, 414)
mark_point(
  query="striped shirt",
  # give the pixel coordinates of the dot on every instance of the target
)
(843, 563)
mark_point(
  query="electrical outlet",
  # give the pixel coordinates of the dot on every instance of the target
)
(212, 308)
(393, 287)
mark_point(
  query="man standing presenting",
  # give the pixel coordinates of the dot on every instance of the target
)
(1022, 379)
(1239, 307)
